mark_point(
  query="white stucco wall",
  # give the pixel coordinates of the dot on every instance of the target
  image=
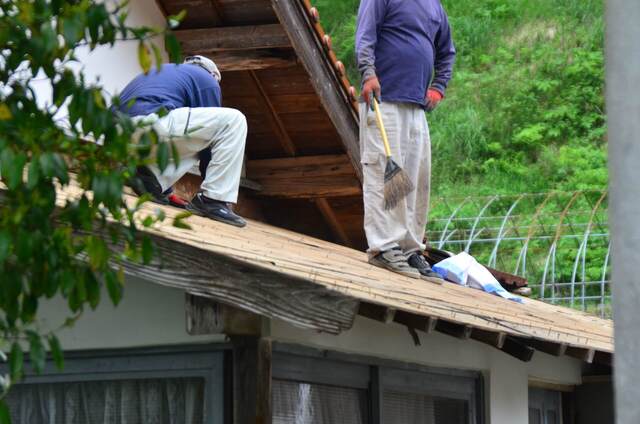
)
(506, 378)
(148, 315)
(114, 66)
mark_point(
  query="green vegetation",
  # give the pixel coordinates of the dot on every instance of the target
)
(525, 110)
(51, 246)
(524, 113)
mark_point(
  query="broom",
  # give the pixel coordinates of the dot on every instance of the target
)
(397, 184)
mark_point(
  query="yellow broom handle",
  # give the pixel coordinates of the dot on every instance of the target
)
(385, 140)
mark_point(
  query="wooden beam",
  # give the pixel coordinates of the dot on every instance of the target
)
(586, 355)
(517, 349)
(252, 371)
(219, 39)
(492, 338)
(247, 60)
(301, 34)
(334, 223)
(249, 287)
(274, 120)
(555, 349)
(207, 316)
(419, 322)
(305, 177)
(455, 330)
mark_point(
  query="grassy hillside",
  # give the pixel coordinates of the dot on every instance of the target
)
(524, 111)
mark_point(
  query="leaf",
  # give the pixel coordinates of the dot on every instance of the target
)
(12, 165)
(33, 174)
(37, 353)
(163, 156)
(16, 362)
(175, 155)
(147, 250)
(5, 112)
(98, 253)
(5, 245)
(56, 352)
(143, 57)
(178, 221)
(93, 289)
(5, 417)
(173, 48)
(114, 287)
(174, 20)
(157, 55)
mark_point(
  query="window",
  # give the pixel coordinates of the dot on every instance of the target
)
(428, 397)
(545, 406)
(319, 391)
(162, 387)
(340, 389)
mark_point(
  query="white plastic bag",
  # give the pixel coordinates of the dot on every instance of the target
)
(463, 269)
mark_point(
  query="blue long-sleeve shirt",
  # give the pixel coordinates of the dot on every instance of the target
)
(171, 87)
(407, 44)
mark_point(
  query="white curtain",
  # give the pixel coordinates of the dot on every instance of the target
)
(405, 407)
(302, 403)
(152, 401)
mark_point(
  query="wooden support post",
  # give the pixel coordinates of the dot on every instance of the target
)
(252, 365)
(586, 355)
(206, 316)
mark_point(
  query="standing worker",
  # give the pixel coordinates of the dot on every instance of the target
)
(405, 55)
(196, 124)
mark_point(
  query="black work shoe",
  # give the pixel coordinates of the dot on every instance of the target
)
(214, 209)
(417, 261)
(145, 182)
(394, 260)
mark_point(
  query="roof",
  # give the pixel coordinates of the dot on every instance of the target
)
(319, 285)
(280, 71)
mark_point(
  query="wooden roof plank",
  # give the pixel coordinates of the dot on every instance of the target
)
(217, 39)
(323, 78)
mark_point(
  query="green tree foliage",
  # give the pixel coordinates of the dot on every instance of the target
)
(525, 109)
(52, 246)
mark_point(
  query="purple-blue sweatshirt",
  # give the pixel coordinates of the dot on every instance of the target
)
(406, 44)
(171, 87)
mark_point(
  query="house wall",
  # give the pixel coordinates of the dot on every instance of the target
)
(152, 315)
(148, 315)
(506, 378)
(113, 66)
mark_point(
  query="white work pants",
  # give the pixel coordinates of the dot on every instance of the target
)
(223, 130)
(408, 132)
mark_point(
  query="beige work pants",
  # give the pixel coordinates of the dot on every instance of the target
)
(408, 132)
(223, 130)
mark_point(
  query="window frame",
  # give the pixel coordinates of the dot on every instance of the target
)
(543, 400)
(206, 362)
(309, 365)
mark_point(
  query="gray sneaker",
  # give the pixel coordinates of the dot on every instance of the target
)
(394, 260)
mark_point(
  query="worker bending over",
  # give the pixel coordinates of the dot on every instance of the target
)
(405, 55)
(196, 122)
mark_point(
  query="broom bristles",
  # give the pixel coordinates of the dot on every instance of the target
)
(397, 185)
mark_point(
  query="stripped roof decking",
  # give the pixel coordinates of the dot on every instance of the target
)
(347, 272)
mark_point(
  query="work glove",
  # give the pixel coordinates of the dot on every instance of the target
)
(433, 98)
(371, 89)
